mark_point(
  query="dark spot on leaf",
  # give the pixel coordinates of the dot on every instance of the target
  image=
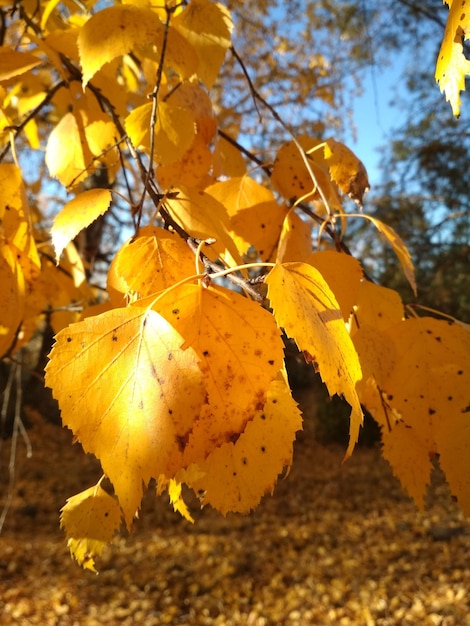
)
(233, 437)
(390, 396)
(459, 373)
(258, 352)
(450, 398)
(263, 449)
(106, 514)
(182, 441)
(234, 474)
(115, 337)
(438, 339)
(170, 411)
(274, 401)
(144, 323)
(466, 409)
(244, 460)
(69, 339)
(170, 356)
(175, 311)
(206, 353)
(431, 411)
(263, 416)
(421, 396)
(271, 361)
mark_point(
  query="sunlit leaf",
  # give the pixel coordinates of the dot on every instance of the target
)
(207, 26)
(346, 170)
(14, 63)
(307, 309)
(150, 262)
(295, 243)
(90, 520)
(255, 216)
(117, 30)
(452, 64)
(342, 273)
(77, 215)
(174, 130)
(240, 473)
(129, 393)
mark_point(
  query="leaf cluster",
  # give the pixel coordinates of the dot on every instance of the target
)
(177, 373)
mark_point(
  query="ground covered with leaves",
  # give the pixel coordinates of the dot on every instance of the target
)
(336, 544)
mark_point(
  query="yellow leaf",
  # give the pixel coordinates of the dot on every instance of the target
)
(207, 26)
(16, 221)
(377, 307)
(174, 130)
(228, 160)
(77, 215)
(117, 30)
(307, 309)
(193, 97)
(14, 63)
(452, 65)
(90, 520)
(293, 180)
(193, 169)
(346, 170)
(203, 217)
(12, 300)
(67, 151)
(343, 274)
(255, 217)
(176, 499)
(295, 243)
(399, 248)
(150, 262)
(240, 352)
(429, 392)
(129, 393)
(240, 473)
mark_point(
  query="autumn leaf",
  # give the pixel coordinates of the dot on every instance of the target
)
(343, 274)
(76, 215)
(256, 219)
(238, 474)
(428, 390)
(12, 301)
(173, 133)
(240, 352)
(117, 30)
(14, 63)
(204, 217)
(152, 261)
(307, 309)
(129, 393)
(452, 65)
(295, 242)
(399, 248)
(90, 520)
(207, 26)
(346, 170)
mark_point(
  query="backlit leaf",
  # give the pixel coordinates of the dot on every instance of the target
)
(239, 474)
(77, 215)
(117, 30)
(307, 309)
(207, 26)
(173, 135)
(399, 248)
(429, 390)
(240, 352)
(151, 262)
(14, 63)
(452, 65)
(343, 274)
(12, 300)
(203, 217)
(255, 216)
(295, 243)
(90, 520)
(346, 170)
(129, 393)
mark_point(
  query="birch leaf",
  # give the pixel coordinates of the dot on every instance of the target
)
(76, 215)
(90, 520)
(129, 393)
(307, 309)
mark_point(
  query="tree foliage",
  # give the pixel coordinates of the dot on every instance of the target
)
(174, 371)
